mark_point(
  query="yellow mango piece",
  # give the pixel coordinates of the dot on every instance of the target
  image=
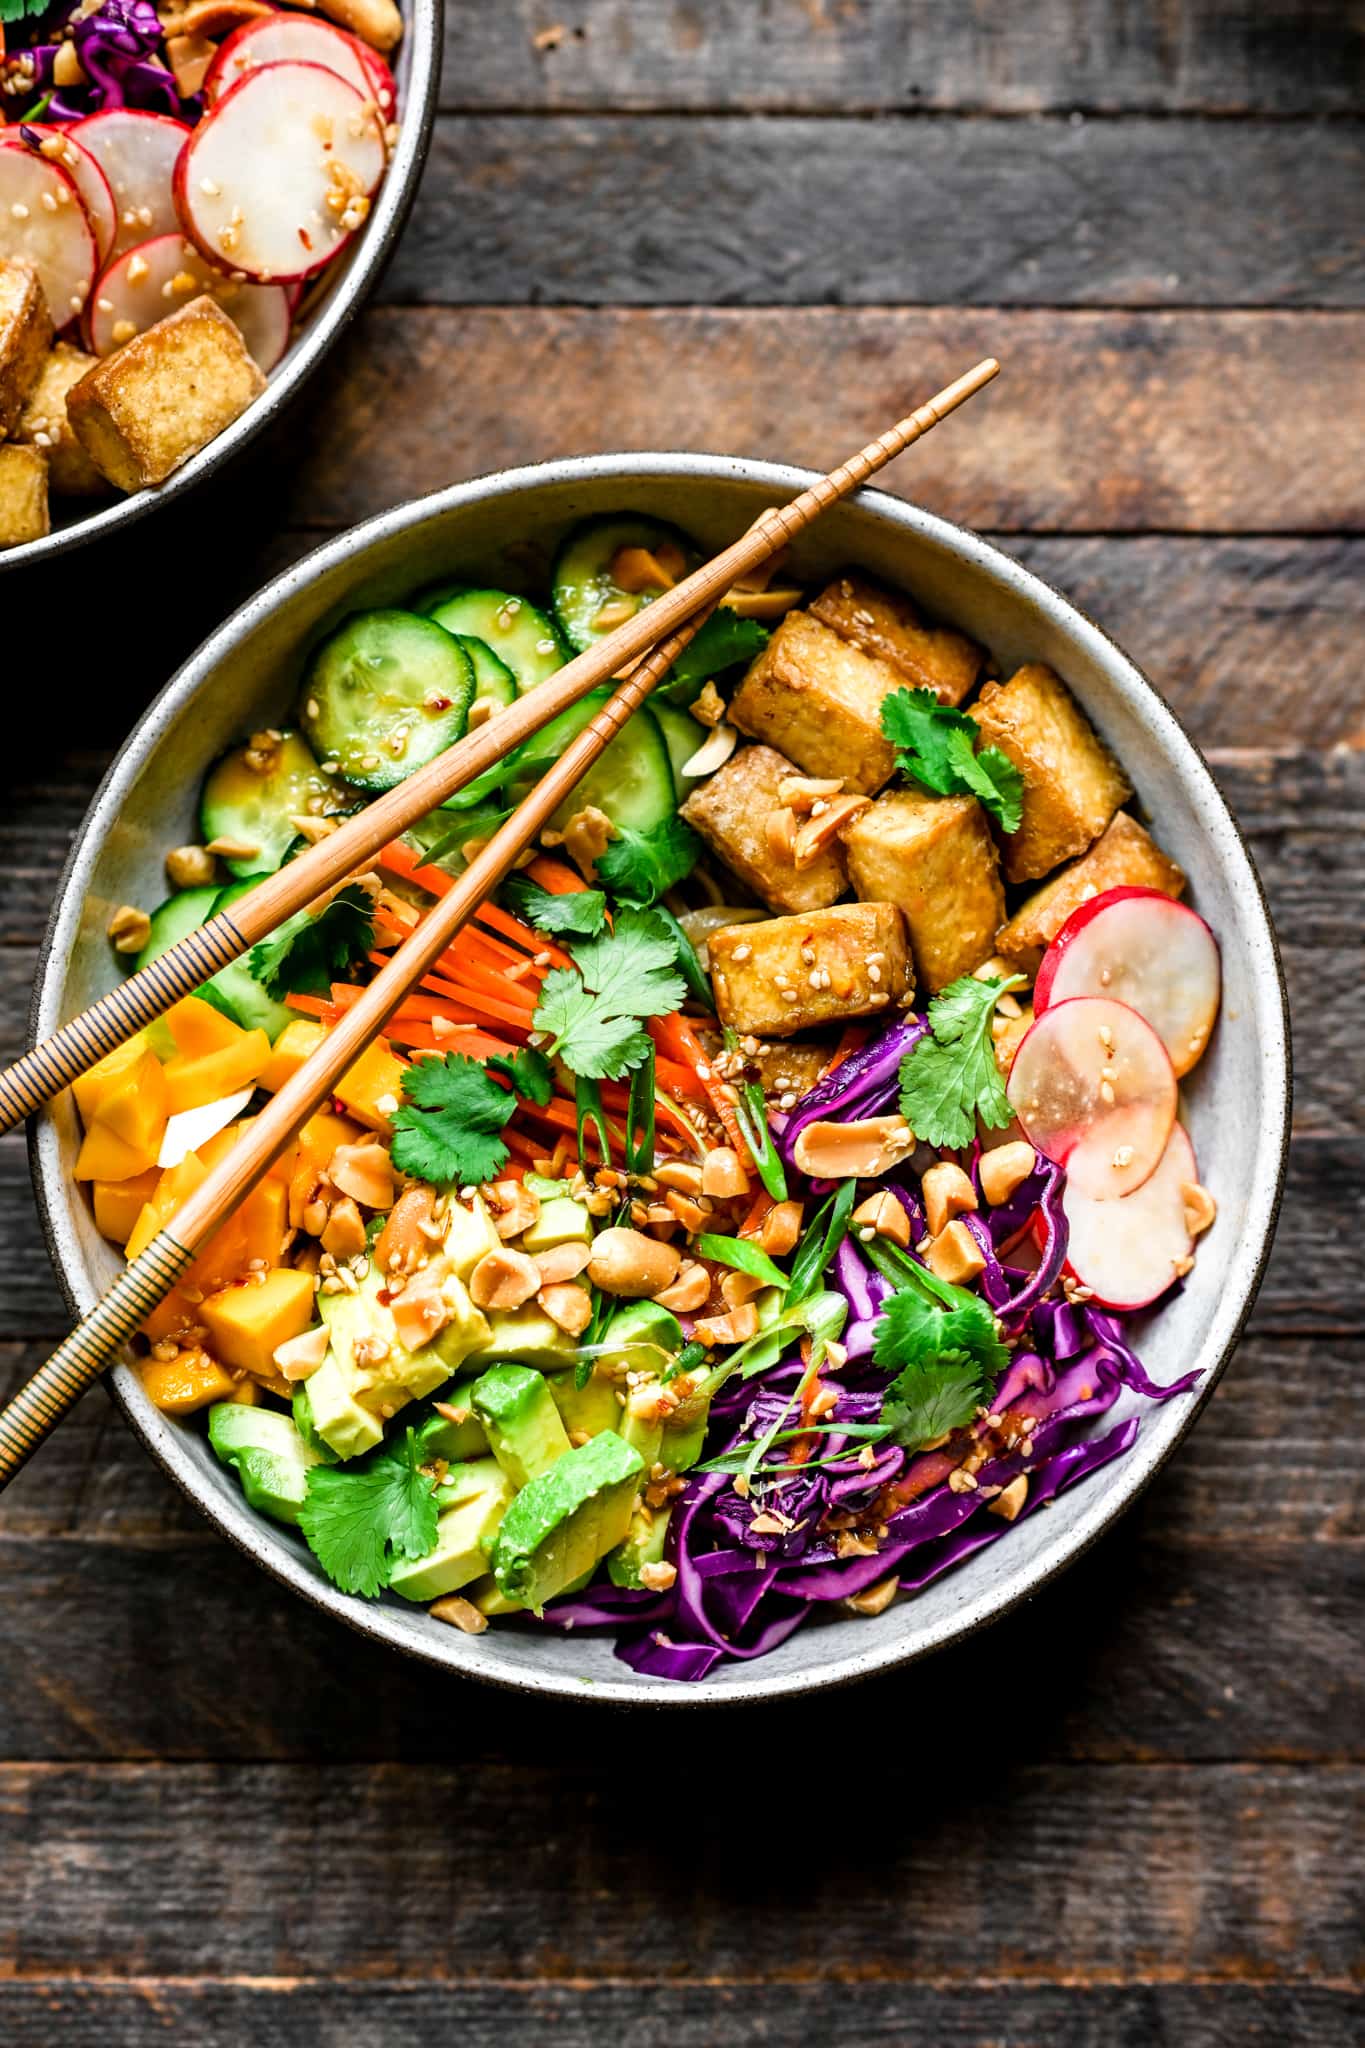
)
(247, 1394)
(247, 1322)
(133, 1107)
(373, 1086)
(174, 1187)
(188, 1381)
(254, 1231)
(198, 1028)
(119, 1203)
(90, 1087)
(293, 1046)
(192, 1082)
(105, 1156)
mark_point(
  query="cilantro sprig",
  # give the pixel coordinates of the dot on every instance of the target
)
(593, 1012)
(637, 867)
(307, 953)
(449, 1128)
(723, 641)
(579, 914)
(361, 1519)
(949, 1077)
(936, 746)
(943, 1344)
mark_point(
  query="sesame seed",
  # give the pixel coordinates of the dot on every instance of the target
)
(19, 210)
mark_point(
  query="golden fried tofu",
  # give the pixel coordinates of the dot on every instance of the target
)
(23, 495)
(44, 424)
(795, 973)
(25, 338)
(731, 813)
(818, 700)
(793, 1067)
(141, 413)
(885, 623)
(934, 858)
(1072, 783)
(1123, 857)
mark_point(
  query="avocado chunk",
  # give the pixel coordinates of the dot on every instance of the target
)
(643, 1544)
(641, 1337)
(561, 1524)
(454, 1437)
(303, 1422)
(518, 1411)
(368, 1369)
(562, 1220)
(588, 1408)
(641, 1421)
(270, 1457)
(469, 1235)
(474, 1498)
(340, 1422)
(526, 1336)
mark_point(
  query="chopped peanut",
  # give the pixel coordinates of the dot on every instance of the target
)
(947, 1193)
(885, 1217)
(1005, 1169)
(955, 1255)
(504, 1279)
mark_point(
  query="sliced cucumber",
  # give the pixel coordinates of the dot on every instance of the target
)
(584, 581)
(238, 803)
(523, 639)
(493, 679)
(234, 989)
(683, 734)
(388, 692)
(631, 781)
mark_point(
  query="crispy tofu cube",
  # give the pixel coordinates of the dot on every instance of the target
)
(25, 338)
(23, 495)
(1123, 857)
(793, 974)
(818, 700)
(934, 858)
(883, 622)
(731, 813)
(794, 1067)
(141, 413)
(44, 424)
(1072, 783)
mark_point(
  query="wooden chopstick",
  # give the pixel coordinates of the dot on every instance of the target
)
(54, 1389)
(56, 1062)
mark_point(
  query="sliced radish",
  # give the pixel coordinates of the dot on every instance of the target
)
(84, 173)
(1093, 1087)
(1146, 950)
(145, 284)
(42, 222)
(1128, 1253)
(188, 1129)
(382, 81)
(137, 153)
(286, 39)
(277, 177)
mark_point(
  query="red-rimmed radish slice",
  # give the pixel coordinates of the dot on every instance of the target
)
(384, 84)
(42, 222)
(1093, 1087)
(1128, 1253)
(145, 284)
(60, 146)
(278, 176)
(137, 153)
(286, 39)
(1146, 950)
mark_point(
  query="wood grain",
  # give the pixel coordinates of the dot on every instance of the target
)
(635, 211)
(1102, 422)
(1280, 56)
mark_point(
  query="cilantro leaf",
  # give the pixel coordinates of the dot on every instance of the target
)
(949, 1077)
(637, 867)
(307, 953)
(360, 1519)
(912, 1333)
(936, 746)
(722, 642)
(592, 1010)
(15, 10)
(929, 1401)
(449, 1129)
(579, 914)
(529, 1072)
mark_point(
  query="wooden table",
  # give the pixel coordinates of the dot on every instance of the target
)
(1129, 1814)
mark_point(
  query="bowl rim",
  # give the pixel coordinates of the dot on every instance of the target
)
(452, 1651)
(423, 39)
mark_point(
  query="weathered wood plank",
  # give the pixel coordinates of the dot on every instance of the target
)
(545, 1867)
(642, 212)
(1103, 422)
(1281, 56)
(119, 2012)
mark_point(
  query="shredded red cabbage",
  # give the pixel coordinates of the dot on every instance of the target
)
(115, 46)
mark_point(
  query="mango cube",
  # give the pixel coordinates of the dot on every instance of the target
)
(106, 1156)
(373, 1087)
(247, 1322)
(119, 1203)
(293, 1046)
(188, 1381)
(192, 1082)
(198, 1028)
(88, 1090)
(133, 1107)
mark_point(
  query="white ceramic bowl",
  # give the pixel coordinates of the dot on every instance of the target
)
(1237, 1103)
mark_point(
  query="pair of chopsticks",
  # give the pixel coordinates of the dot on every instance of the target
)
(652, 640)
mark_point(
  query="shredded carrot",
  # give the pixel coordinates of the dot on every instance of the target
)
(753, 1222)
(512, 928)
(555, 876)
(852, 1039)
(675, 1036)
(313, 1006)
(505, 1009)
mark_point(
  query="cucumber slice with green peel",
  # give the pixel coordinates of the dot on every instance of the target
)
(683, 734)
(631, 782)
(234, 989)
(257, 809)
(493, 679)
(521, 636)
(584, 582)
(387, 693)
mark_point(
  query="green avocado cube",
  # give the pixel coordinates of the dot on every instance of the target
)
(644, 1544)
(465, 1532)
(344, 1426)
(562, 1523)
(518, 1411)
(561, 1221)
(270, 1457)
(641, 1337)
(526, 1336)
(454, 1437)
(586, 1409)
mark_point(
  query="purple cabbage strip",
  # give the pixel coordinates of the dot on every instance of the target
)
(865, 1084)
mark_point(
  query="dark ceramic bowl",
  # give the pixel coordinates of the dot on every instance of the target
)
(1237, 1103)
